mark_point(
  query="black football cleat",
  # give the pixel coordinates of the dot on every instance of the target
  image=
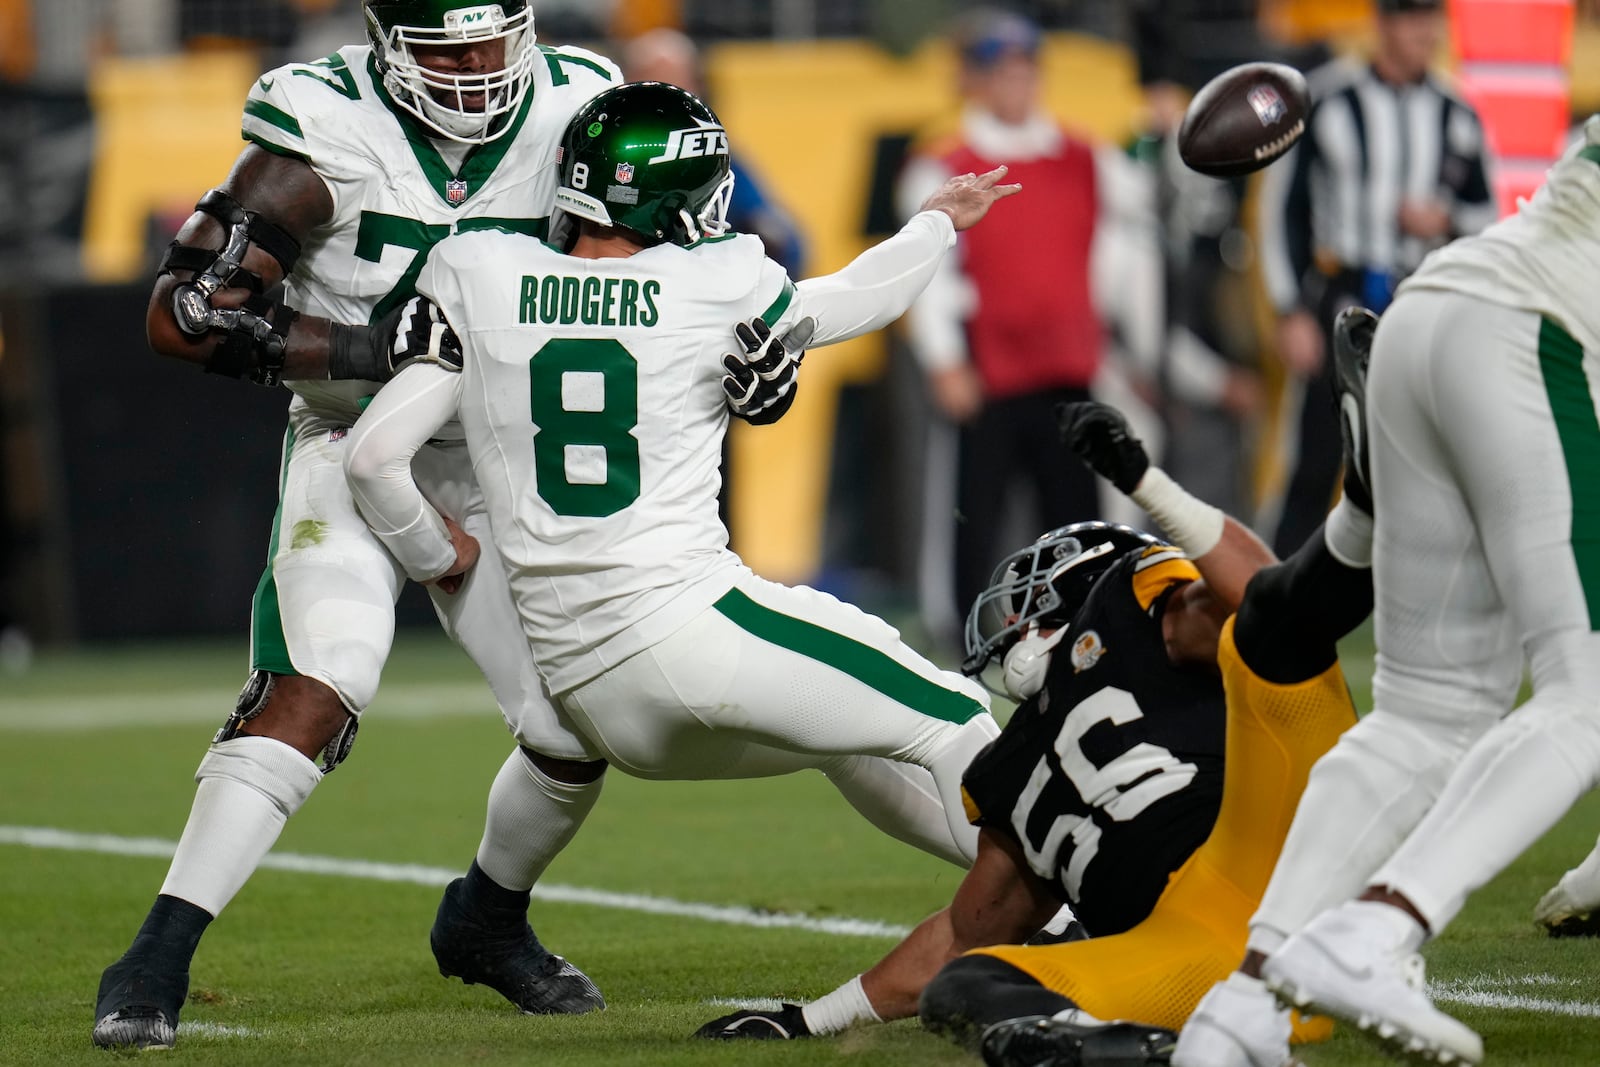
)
(501, 952)
(788, 1023)
(1060, 1041)
(1352, 349)
(137, 1006)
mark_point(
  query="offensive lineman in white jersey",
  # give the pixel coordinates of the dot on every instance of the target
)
(1485, 460)
(358, 163)
(670, 655)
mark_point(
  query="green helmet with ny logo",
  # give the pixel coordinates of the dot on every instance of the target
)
(649, 157)
(471, 108)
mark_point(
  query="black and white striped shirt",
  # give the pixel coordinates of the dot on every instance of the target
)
(1331, 205)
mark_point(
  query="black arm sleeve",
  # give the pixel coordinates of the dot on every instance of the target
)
(1294, 613)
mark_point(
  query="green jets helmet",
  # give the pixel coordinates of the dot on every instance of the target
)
(441, 101)
(649, 157)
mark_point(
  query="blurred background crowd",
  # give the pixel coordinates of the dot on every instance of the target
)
(134, 495)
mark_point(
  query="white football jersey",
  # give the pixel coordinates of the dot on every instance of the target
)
(395, 195)
(594, 412)
(1545, 258)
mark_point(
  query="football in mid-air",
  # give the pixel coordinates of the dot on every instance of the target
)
(1243, 119)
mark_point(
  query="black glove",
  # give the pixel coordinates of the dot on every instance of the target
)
(423, 336)
(1099, 434)
(786, 1024)
(414, 332)
(761, 381)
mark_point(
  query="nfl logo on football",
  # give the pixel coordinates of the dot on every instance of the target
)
(624, 173)
(455, 191)
(1269, 106)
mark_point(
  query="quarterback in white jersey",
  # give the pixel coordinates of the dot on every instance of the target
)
(1484, 447)
(447, 122)
(592, 400)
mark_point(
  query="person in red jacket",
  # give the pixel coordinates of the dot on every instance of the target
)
(1009, 330)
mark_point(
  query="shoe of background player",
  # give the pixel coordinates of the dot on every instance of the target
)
(1354, 963)
(1352, 349)
(785, 1024)
(1571, 908)
(500, 951)
(1238, 1023)
(1074, 1038)
(137, 1006)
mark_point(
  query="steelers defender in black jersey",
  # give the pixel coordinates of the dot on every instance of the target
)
(1143, 669)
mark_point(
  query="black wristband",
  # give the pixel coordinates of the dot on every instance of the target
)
(352, 356)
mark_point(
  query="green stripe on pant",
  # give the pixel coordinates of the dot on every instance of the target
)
(269, 651)
(1572, 405)
(866, 665)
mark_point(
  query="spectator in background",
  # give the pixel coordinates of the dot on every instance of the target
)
(1209, 352)
(665, 55)
(1392, 165)
(1010, 329)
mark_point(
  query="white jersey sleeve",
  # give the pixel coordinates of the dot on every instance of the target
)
(307, 111)
(401, 418)
(876, 287)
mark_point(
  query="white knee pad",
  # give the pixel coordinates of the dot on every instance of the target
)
(268, 766)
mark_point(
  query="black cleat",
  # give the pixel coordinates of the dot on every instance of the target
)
(481, 948)
(137, 1007)
(1352, 349)
(1058, 1041)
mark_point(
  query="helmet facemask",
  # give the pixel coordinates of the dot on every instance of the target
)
(439, 101)
(1039, 587)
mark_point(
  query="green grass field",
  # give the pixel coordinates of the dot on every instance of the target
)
(335, 969)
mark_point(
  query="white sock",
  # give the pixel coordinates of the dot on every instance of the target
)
(249, 786)
(900, 799)
(1348, 535)
(531, 818)
(840, 1010)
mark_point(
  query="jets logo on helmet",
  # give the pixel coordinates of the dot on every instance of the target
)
(469, 108)
(669, 154)
(706, 139)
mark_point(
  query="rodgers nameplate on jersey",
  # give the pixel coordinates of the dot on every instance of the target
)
(1110, 776)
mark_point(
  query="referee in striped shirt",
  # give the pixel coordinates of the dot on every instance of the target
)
(1392, 165)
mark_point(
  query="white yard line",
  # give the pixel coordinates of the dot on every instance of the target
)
(416, 874)
(1495, 991)
(189, 1030)
(1483, 991)
(98, 712)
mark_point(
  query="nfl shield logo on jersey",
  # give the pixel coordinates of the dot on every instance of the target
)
(624, 173)
(455, 191)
